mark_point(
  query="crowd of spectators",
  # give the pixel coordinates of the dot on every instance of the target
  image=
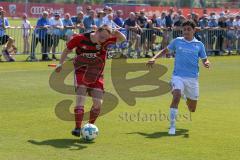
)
(220, 32)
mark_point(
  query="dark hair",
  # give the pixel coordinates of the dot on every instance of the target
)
(189, 23)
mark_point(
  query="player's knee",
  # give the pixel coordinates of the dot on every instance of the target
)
(80, 101)
(176, 97)
(97, 103)
(96, 108)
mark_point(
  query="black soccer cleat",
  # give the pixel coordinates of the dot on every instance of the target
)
(76, 132)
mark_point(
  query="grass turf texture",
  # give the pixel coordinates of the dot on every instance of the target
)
(30, 129)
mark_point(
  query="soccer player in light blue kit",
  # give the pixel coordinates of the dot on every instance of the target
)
(184, 81)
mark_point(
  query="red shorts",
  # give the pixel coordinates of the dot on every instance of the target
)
(80, 79)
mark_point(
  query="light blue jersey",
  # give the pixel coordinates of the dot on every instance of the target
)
(187, 56)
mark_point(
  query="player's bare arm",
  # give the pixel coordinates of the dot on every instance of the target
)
(120, 36)
(66, 51)
(153, 59)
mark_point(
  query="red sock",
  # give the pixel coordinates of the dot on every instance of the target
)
(94, 113)
(79, 112)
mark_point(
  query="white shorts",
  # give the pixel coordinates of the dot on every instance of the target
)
(188, 86)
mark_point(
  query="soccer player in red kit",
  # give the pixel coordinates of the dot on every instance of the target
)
(89, 62)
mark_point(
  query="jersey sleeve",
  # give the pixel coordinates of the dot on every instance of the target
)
(202, 52)
(74, 42)
(172, 45)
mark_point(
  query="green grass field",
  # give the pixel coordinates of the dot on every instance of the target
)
(30, 129)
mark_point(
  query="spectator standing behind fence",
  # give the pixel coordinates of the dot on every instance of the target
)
(168, 18)
(196, 19)
(231, 36)
(169, 25)
(179, 22)
(118, 19)
(177, 32)
(157, 32)
(236, 24)
(212, 32)
(107, 10)
(26, 31)
(222, 32)
(6, 40)
(133, 36)
(142, 22)
(99, 19)
(88, 9)
(150, 37)
(175, 18)
(157, 26)
(177, 25)
(55, 30)
(203, 24)
(78, 21)
(41, 35)
(68, 27)
(109, 22)
(89, 22)
(162, 20)
(162, 24)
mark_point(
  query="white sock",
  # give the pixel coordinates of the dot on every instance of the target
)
(173, 115)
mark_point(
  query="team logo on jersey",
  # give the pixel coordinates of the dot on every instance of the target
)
(98, 47)
(89, 55)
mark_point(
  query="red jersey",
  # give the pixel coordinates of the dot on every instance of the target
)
(91, 57)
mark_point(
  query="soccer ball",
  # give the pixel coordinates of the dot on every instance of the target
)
(89, 132)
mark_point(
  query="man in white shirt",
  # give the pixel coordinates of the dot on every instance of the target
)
(107, 10)
(56, 29)
(109, 22)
